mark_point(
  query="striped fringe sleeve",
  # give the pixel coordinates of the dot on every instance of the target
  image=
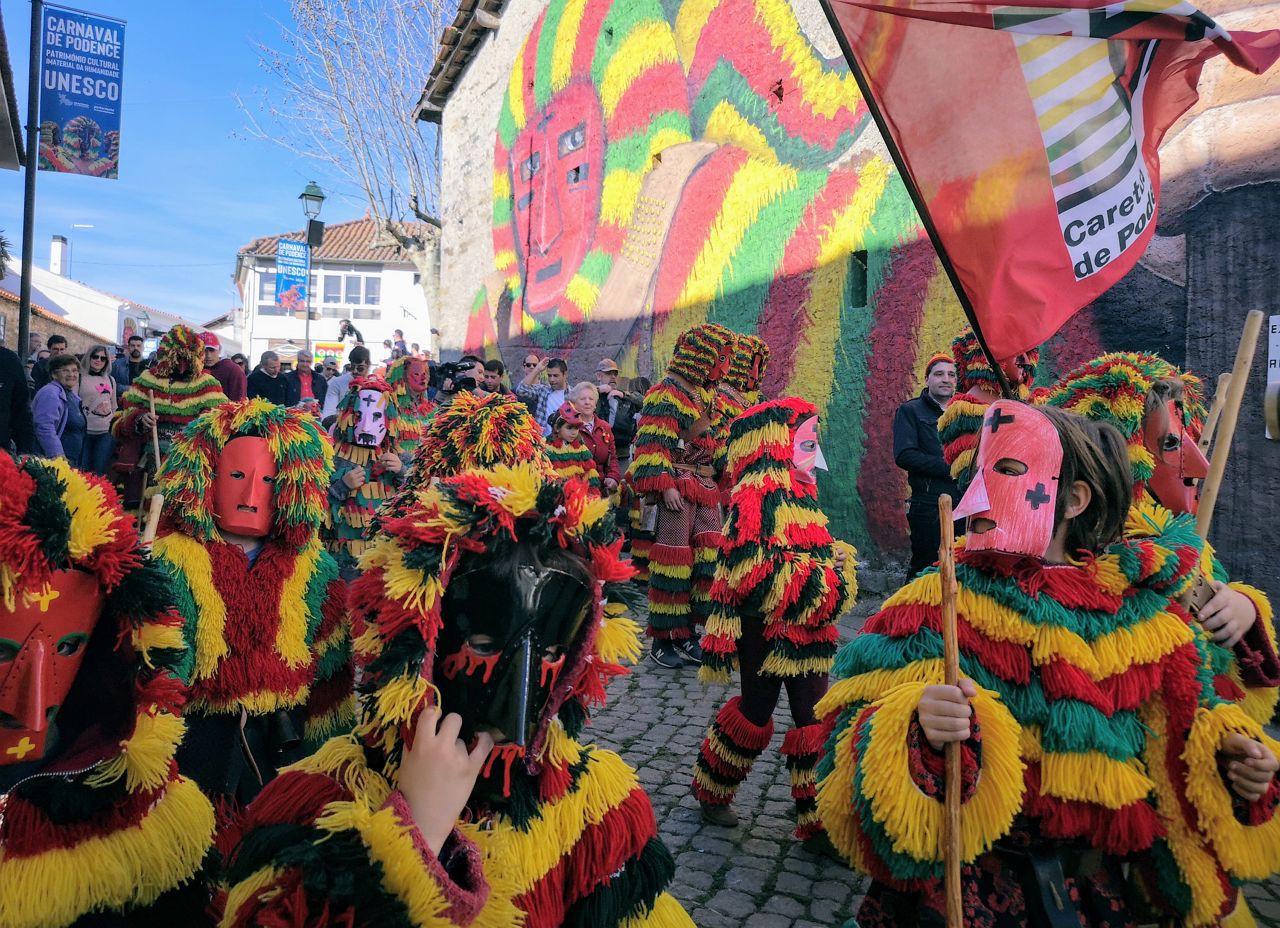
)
(668, 411)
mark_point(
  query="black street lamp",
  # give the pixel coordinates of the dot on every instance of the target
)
(312, 198)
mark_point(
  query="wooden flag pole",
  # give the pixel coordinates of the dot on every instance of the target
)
(153, 520)
(1211, 422)
(951, 655)
(1227, 422)
(155, 433)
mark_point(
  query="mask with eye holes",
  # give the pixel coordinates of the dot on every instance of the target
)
(512, 622)
(244, 487)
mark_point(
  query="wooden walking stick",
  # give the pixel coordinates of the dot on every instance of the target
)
(951, 656)
(1227, 422)
(153, 520)
(155, 433)
(1211, 423)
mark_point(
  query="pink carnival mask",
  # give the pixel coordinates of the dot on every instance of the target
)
(1011, 502)
(806, 453)
(244, 488)
(42, 645)
(1179, 462)
(371, 428)
(418, 375)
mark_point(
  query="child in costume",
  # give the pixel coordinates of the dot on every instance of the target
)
(977, 387)
(566, 450)
(97, 826)
(180, 388)
(410, 378)
(1090, 737)
(781, 583)
(367, 468)
(498, 598)
(675, 468)
(1160, 412)
(270, 658)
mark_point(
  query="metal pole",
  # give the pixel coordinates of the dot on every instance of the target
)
(917, 198)
(307, 331)
(29, 179)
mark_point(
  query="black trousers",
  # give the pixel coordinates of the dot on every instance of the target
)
(926, 535)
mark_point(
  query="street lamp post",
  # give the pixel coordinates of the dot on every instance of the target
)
(312, 198)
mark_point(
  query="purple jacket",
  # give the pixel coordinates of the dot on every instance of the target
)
(49, 410)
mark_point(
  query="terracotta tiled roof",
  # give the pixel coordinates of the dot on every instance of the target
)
(40, 311)
(458, 45)
(343, 241)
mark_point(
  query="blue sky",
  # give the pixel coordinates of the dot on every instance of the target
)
(193, 187)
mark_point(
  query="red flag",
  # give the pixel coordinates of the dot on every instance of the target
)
(1031, 134)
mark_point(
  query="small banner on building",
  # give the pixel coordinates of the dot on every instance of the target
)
(293, 263)
(81, 81)
(1031, 133)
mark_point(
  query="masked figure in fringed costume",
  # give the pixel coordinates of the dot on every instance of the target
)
(740, 389)
(977, 387)
(1090, 735)
(409, 377)
(262, 604)
(181, 389)
(675, 468)
(498, 596)
(367, 468)
(781, 583)
(1160, 412)
(97, 827)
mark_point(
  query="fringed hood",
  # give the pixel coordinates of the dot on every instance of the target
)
(761, 442)
(746, 349)
(973, 369)
(180, 354)
(303, 456)
(1114, 389)
(344, 429)
(397, 601)
(697, 351)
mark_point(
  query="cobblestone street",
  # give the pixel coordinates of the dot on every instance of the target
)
(755, 875)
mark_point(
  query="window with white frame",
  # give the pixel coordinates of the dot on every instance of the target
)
(337, 291)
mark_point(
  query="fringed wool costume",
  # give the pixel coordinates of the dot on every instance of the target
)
(270, 644)
(573, 460)
(775, 601)
(559, 833)
(98, 828)
(352, 511)
(740, 389)
(181, 389)
(676, 448)
(1094, 741)
(976, 386)
(408, 377)
(1117, 389)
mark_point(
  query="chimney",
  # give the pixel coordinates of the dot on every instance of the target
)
(60, 256)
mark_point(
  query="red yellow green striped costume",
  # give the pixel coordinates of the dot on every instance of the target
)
(1096, 726)
(413, 411)
(573, 460)
(740, 389)
(107, 828)
(580, 847)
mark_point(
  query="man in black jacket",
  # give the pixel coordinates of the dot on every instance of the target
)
(305, 383)
(16, 430)
(918, 451)
(267, 381)
(618, 408)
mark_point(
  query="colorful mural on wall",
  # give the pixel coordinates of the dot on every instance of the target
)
(659, 164)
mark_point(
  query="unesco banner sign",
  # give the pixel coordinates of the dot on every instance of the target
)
(81, 76)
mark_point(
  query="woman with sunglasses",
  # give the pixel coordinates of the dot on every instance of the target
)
(98, 394)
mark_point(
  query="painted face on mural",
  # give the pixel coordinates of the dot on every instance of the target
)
(557, 164)
(42, 645)
(1179, 463)
(418, 375)
(1011, 502)
(371, 428)
(244, 488)
(806, 453)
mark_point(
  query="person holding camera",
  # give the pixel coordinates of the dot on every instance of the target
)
(545, 398)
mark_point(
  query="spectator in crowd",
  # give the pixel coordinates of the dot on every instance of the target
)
(347, 330)
(241, 362)
(491, 380)
(530, 362)
(57, 413)
(266, 381)
(16, 431)
(597, 435)
(34, 341)
(131, 365)
(226, 371)
(40, 374)
(306, 386)
(398, 347)
(330, 368)
(617, 407)
(337, 388)
(544, 398)
(918, 450)
(98, 396)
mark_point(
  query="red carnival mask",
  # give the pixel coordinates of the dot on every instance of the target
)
(244, 488)
(757, 372)
(806, 453)
(42, 644)
(1179, 463)
(721, 365)
(417, 375)
(1014, 493)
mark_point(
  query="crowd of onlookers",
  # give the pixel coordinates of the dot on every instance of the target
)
(62, 405)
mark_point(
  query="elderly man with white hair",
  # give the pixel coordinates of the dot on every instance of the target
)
(597, 435)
